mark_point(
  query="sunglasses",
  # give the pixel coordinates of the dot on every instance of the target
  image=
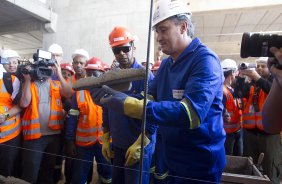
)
(124, 49)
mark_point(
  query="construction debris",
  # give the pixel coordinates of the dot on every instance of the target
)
(118, 79)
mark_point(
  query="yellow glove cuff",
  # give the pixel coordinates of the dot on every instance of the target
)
(133, 107)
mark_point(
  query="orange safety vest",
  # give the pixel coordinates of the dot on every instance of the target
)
(30, 119)
(252, 119)
(11, 128)
(89, 128)
(236, 121)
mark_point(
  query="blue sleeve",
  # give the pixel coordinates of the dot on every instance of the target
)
(105, 123)
(204, 82)
(72, 121)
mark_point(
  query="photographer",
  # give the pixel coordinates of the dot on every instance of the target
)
(256, 140)
(271, 112)
(42, 120)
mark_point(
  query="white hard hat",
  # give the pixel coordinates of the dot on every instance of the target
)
(8, 54)
(168, 8)
(262, 60)
(228, 64)
(55, 49)
(80, 52)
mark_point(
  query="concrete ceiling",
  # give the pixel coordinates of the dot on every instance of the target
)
(220, 29)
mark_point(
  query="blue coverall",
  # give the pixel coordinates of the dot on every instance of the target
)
(195, 154)
(124, 132)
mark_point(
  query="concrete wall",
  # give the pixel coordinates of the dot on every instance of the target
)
(87, 24)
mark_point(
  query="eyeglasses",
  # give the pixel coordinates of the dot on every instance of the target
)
(124, 49)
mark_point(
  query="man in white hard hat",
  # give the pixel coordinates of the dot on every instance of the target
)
(57, 52)
(271, 112)
(10, 124)
(232, 115)
(79, 57)
(188, 99)
(255, 139)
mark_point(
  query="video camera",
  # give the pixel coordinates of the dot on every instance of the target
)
(258, 44)
(245, 66)
(40, 68)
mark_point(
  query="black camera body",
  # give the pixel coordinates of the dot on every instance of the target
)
(258, 44)
(40, 68)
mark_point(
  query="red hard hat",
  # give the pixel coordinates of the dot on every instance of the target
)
(106, 66)
(67, 66)
(156, 66)
(120, 36)
(94, 64)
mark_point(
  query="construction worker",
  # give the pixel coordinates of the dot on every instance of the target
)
(84, 131)
(67, 71)
(57, 52)
(232, 114)
(188, 100)
(42, 122)
(256, 140)
(271, 112)
(10, 127)
(122, 129)
(79, 57)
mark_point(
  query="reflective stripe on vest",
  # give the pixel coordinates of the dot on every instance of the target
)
(89, 128)
(10, 131)
(10, 128)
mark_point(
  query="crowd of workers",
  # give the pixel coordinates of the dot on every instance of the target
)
(195, 115)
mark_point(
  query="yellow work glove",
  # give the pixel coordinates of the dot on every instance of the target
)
(133, 153)
(106, 147)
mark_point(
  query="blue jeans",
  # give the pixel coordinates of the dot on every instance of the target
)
(234, 143)
(84, 161)
(9, 156)
(130, 175)
(40, 152)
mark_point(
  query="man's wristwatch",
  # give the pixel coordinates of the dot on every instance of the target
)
(6, 115)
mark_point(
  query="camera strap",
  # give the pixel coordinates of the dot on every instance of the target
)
(256, 99)
(7, 79)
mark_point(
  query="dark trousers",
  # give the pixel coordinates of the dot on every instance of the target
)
(256, 142)
(10, 157)
(84, 161)
(38, 159)
(234, 143)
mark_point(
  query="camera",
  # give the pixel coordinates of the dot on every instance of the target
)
(258, 44)
(40, 68)
(244, 66)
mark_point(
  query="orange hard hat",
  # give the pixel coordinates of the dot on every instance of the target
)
(67, 66)
(94, 64)
(156, 66)
(120, 36)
